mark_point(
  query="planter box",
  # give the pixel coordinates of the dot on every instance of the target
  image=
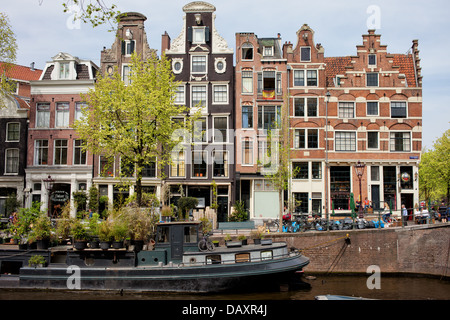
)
(234, 244)
(265, 242)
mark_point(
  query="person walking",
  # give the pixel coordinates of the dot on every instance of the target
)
(404, 215)
(443, 212)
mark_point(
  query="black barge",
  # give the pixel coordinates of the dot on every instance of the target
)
(173, 264)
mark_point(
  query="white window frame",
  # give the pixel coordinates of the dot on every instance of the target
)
(353, 137)
(180, 95)
(177, 163)
(204, 158)
(250, 141)
(37, 151)
(128, 52)
(16, 162)
(306, 141)
(367, 109)
(305, 47)
(62, 148)
(268, 51)
(127, 80)
(75, 147)
(225, 139)
(205, 138)
(406, 109)
(345, 104)
(192, 64)
(65, 115)
(214, 86)
(7, 132)
(194, 106)
(403, 133)
(378, 141)
(64, 70)
(43, 123)
(367, 79)
(226, 165)
(305, 115)
(196, 31)
(368, 60)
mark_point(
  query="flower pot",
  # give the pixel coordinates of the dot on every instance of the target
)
(80, 244)
(266, 242)
(32, 245)
(117, 244)
(257, 241)
(138, 245)
(94, 244)
(104, 245)
(244, 242)
(23, 246)
(43, 244)
(216, 243)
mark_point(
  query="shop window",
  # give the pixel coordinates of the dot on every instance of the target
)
(340, 187)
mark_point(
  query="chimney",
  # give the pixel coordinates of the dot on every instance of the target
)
(32, 66)
(165, 42)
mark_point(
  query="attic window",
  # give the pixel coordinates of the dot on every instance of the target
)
(247, 51)
(268, 51)
(64, 71)
(372, 59)
(305, 54)
(128, 47)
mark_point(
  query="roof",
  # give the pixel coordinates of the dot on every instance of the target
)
(406, 67)
(335, 66)
(19, 72)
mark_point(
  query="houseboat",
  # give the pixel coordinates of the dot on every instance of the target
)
(173, 264)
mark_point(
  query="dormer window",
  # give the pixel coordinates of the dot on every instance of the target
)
(198, 35)
(268, 51)
(64, 70)
(305, 54)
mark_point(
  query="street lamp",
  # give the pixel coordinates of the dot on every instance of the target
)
(359, 172)
(328, 94)
(49, 187)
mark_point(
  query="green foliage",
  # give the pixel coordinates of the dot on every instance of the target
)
(148, 200)
(206, 225)
(36, 260)
(80, 200)
(93, 198)
(64, 223)
(185, 204)
(8, 54)
(96, 12)
(104, 231)
(79, 231)
(42, 227)
(239, 213)
(141, 222)
(24, 219)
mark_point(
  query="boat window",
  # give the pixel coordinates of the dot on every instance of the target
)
(242, 257)
(190, 234)
(213, 259)
(163, 234)
(266, 255)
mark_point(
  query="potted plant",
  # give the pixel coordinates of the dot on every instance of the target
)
(166, 213)
(80, 235)
(42, 229)
(93, 231)
(104, 234)
(119, 231)
(64, 225)
(37, 261)
(141, 225)
(243, 239)
(185, 204)
(257, 235)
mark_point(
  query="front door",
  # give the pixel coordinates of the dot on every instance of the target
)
(176, 242)
(375, 196)
(222, 210)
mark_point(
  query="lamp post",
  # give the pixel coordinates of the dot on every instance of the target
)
(359, 172)
(48, 182)
(328, 94)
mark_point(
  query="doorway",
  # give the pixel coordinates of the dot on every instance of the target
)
(375, 196)
(222, 210)
(408, 200)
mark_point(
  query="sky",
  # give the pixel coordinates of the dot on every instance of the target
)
(43, 29)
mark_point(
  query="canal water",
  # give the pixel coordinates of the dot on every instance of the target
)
(390, 288)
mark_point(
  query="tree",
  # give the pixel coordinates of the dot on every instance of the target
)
(95, 12)
(134, 120)
(442, 162)
(8, 52)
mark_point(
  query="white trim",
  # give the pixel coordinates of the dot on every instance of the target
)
(7, 126)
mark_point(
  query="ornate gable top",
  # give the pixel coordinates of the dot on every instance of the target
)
(199, 6)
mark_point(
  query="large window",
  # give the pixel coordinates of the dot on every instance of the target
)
(247, 51)
(345, 141)
(340, 187)
(106, 167)
(61, 148)
(316, 170)
(198, 64)
(305, 107)
(177, 168)
(247, 117)
(64, 70)
(306, 138)
(311, 78)
(247, 81)
(372, 79)
(198, 96)
(220, 93)
(78, 110)
(398, 109)
(346, 110)
(180, 95)
(400, 141)
(247, 151)
(220, 164)
(79, 155)
(41, 152)
(149, 170)
(372, 140)
(269, 117)
(220, 129)
(199, 164)
(12, 161)
(43, 115)
(372, 108)
(301, 170)
(126, 74)
(200, 133)
(198, 35)
(62, 115)
(13, 132)
(301, 202)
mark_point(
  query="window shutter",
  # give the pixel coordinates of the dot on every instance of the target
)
(123, 47)
(206, 34)
(132, 43)
(189, 34)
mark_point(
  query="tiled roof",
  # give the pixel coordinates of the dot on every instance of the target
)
(406, 66)
(335, 66)
(21, 72)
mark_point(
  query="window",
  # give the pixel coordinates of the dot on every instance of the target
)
(242, 257)
(372, 79)
(247, 51)
(199, 165)
(375, 173)
(177, 168)
(220, 164)
(372, 108)
(311, 107)
(41, 152)
(43, 115)
(301, 170)
(60, 152)
(214, 259)
(266, 255)
(149, 170)
(372, 60)
(198, 64)
(106, 166)
(400, 141)
(311, 78)
(179, 95)
(306, 138)
(200, 130)
(305, 54)
(198, 35)
(220, 93)
(316, 170)
(12, 132)
(128, 47)
(220, 129)
(299, 78)
(346, 110)
(126, 167)
(126, 74)
(198, 96)
(64, 70)
(345, 141)
(247, 117)
(62, 115)
(268, 51)
(79, 155)
(372, 140)
(247, 151)
(301, 202)
(340, 187)
(269, 117)
(78, 110)
(398, 109)
(267, 84)
(247, 81)
(12, 161)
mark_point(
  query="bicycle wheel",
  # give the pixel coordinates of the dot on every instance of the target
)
(202, 245)
(209, 245)
(273, 226)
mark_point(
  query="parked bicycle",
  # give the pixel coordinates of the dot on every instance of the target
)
(205, 244)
